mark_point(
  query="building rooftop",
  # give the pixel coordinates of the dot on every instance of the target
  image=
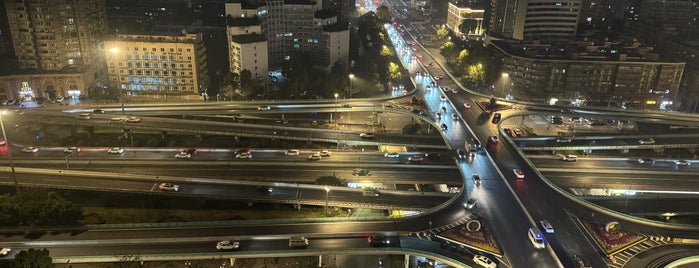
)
(232, 21)
(325, 13)
(597, 50)
(248, 38)
(472, 4)
(336, 27)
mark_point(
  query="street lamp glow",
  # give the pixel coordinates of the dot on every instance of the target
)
(505, 75)
(114, 50)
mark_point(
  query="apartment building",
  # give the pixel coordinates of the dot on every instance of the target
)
(534, 19)
(56, 43)
(460, 11)
(263, 36)
(158, 66)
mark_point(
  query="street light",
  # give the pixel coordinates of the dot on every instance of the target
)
(505, 76)
(331, 115)
(327, 196)
(351, 76)
(9, 153)
(115, 51)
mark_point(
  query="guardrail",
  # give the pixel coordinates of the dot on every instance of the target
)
(607, 147)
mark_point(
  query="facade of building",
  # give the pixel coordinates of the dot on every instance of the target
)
(58, 39)
(681, 14)
(262, 37)
(626, 75)
(158, 66)
(534, 19)
(458, 12)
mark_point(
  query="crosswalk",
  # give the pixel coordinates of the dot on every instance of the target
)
(619, 259)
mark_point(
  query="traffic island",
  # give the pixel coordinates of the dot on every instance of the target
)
(475, 233)
(611, 241)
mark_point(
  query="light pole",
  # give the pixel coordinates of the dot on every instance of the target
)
(331, 115)
(9, 153)
(115, 51)
(505, 77)
(327, 197)
(351, 77)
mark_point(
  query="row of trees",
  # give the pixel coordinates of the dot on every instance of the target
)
(31, 258)
(468, 60)
(38, 208)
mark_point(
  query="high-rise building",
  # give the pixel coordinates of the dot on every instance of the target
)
(465, 11)
(598, 14)
(56, 43)
(677, 13)
(263, 35)
(535, 19)
(158, 66)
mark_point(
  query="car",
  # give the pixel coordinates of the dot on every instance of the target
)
(388, 106)
(547, 226)
(563, 139)
(438, 115)
(646, 161)
(361, 172)
(476, 179)
(166, 186)
(83, 116)
(391, 155)
(118, 119)
(518, 173)
(519, 133)
(191, 151)
(133, 119)
(70, 150)
(98, 111)
(292, 152)
(442, 98)
(569, 158)
(325, 153)
(445, 127)
(314, 156)
(183, 154)
(3, 142)
(444, 109)
(461, 153)
(484, 261)
(509, 132)
(227, 245)
(265, 189)
(5, 251)
(366, 135)
(281, 121)
(115, 150)
(379, 241)
(346, 105)
(496, 118)
(470, 204)
(30, 149)
(263, 108)
(416, 159)
(454, 116)
(579, 262)
(682, 163)
(238, 151)
(453, 90)
(467, 105)
(493, 139)
(440, 77)
(243, 155)
(646, 141)
(475, 142)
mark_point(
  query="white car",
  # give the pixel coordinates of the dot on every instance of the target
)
(243, 155)
(118, 119)
(470, 204)
(391, 155)
(71, 150)
(5, 251)
(133, 119)
(682, 163)
(166, 186)
(442, 98)
(518, 173)
(325, 153)
(454, 116)
(184, 155)
(366, 135)
(484, 261)
(292, 152)
(30, 149)
(570, 158)
(227, 245)
(115, 150)
(646, 141)
(453, 90)
(264, 108)
(547, 226)
(314, 156)
(467, 105)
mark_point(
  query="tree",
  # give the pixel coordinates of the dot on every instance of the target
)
(476, 74)
(330, 180)
(383, 15)
(442, 34)
(47, 208)
(8, 210)
(33, 258)
(468, 26)
(493, 102)
(393, 72)
(229, 85)
(248, 84)
(386, 52)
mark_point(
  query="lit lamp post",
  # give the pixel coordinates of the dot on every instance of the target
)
(351, 76)
(114, 52)
(505, 77)
(327, 196)
(331, 115)
(9, 153)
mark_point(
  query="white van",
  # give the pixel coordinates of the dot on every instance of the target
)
(536, 237)
(84, 116)
(298, 242)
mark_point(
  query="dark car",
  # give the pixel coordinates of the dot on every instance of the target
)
(475, 142)
(461, 153)
(379, 241)
(496, 118)
(98, 111)
(190, 151)
(444, 127)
